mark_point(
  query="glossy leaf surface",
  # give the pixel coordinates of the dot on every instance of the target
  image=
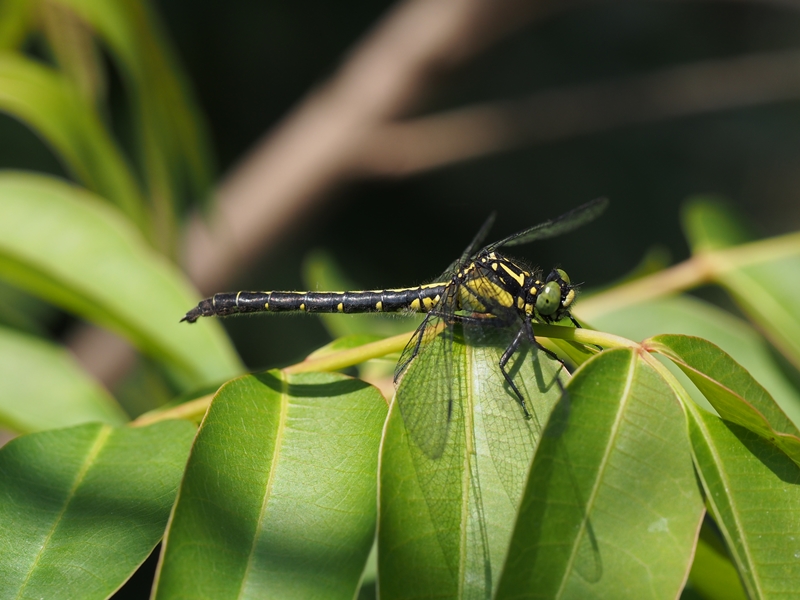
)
(279, 493)
(611, 506)
(81, 508)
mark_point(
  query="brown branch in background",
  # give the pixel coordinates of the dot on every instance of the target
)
(407, 148)
(320, 145)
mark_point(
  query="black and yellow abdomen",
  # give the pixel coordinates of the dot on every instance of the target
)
(417, 299)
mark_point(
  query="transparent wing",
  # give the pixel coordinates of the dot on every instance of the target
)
(575, 218)
(470, 250)
(425, 375)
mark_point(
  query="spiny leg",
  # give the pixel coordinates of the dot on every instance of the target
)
(509, 352)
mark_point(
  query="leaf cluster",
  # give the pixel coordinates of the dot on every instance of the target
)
(670, 465)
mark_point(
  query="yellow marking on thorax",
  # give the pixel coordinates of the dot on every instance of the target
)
(518, 276)
(414, 305)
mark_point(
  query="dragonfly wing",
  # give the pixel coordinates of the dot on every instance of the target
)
(425, 377)
(573, 219)
(470, 250)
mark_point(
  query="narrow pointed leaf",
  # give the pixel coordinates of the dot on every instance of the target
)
(730, 389)
(175, 150)
(445, 521)
(766, 290)
(69, 248)
(51, 105)
(692, 316)
(279, 494)
(82, 508)
(754, 495)
(42, 387)
(612, 505)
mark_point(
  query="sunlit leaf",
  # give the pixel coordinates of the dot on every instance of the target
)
(279, 494)
(611, 502)
(753, 492)
(66, 246)
(41, 387)
(445, 521)
(81, 508)
(730, 389)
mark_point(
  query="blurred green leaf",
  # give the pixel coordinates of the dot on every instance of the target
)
(15, 19)
(730, 389)
(611, 502)
(449, 491)
(753, 494)
(55, 110)
(279, 493)
(82, 508)
(173, 142)
(65, 245)
(691, 316)
(713, 575)
(765, 288)
(41, 387)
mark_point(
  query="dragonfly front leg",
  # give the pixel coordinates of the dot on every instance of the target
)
(512, 348)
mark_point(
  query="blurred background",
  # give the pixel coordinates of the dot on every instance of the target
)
(386, 132)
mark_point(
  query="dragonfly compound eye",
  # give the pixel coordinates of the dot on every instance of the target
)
(548, 300)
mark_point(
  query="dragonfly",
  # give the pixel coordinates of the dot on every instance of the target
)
(481, 291)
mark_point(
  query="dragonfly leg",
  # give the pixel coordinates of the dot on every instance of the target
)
(579, 326)
(512, 348)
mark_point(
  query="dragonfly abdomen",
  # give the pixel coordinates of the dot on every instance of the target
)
(416, 299)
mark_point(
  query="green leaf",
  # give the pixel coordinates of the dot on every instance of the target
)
(49, 103)
(765, 284)
(753, 493)
(66, 246)
(713, 575)
(81, 508)
(41, 387)
(15, 19)
(691, 316)
(173, 141)
(450, 488)
(611, 501)
(730, 389)
(279, 494)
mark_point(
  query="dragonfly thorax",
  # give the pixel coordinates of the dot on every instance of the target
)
(493, 284)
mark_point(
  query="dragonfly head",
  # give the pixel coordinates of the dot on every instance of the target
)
(555, 297)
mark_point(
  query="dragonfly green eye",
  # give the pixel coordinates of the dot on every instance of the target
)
(563, 275)
(549, 298)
